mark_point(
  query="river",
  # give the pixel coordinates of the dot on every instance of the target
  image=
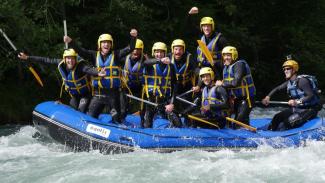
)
(24, 158)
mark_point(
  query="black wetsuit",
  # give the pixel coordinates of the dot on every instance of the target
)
(240, 105)
(79, 102)
(148, 112)
(110, 97)
(295, 116)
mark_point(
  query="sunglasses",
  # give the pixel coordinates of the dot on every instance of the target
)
(287, 69)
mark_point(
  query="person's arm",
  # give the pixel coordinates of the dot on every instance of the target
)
(92, 71)
(239, 70)
(43, 59)
(281, 87)
(151, 62)
(303, 84)
(84, 53)
(119, 54)
(220, 91)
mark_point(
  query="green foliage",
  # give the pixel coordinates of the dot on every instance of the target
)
(263, 31)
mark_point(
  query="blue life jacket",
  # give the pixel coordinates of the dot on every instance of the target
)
(297, 93)
(157, 82)
(209, 96)
(74, 85)
(183, 74)
(132, 74)
(112, 78)
(214, 50)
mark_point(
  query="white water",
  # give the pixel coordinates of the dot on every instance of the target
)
(26, 159)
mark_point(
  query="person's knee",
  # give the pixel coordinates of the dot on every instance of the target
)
(294, 120)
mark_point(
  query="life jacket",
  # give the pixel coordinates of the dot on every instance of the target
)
(113, 74)
(209, 96)
(297, 93)
(246, 88)
(183, 74)
(74, 84)
(214, 50)
(157, 81)
(132, 74)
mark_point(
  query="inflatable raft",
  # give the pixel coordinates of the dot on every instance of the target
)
(84, 133)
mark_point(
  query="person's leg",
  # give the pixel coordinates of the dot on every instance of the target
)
(96, 106)
(300, 117)
(83, 104)
(280, 117)
(74, 102)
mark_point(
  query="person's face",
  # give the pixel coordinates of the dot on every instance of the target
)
(159, 54)
(105, 47)
(288, 72)
(207, 29)
(227, 58)
(178, 52)
(136, 53)
(206, 78)
(70, 61)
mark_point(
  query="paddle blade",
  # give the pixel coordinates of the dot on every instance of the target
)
(205, 51)
(36, 76)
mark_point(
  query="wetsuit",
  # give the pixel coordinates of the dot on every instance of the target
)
(238, 81)
(106, 96)
(159, 91)
(79, 100)
(296, 116)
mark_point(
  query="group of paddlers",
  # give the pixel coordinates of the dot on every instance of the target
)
(213, 85)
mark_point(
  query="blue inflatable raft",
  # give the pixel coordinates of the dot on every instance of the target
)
(84, 133)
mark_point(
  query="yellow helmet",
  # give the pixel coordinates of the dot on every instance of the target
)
(139, 44)
(207, 21)
(232, 50)
(104, 37)
(291, 63)
(207, 70)
(158, 46)
(69, 53)
(178, 42)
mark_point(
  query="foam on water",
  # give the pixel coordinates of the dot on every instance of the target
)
(27, 159)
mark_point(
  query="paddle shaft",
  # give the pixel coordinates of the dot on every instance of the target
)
(205, 51)
(154, 104)
(8, 40)
(185, 93)
(185, 101)
(274, 102)
(65, 31)
(241, 124)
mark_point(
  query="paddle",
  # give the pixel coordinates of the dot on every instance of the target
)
(31, 69)
(185, 93)
(227, 118)
(273, 102)
(205, 51)
(156, 105)
(65, 26)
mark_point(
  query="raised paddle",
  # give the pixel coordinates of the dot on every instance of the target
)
(31, 69)
(156, 105)
(205, 51)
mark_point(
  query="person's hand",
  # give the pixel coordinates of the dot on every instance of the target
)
(22, 56)
(219, 83)
(165, 60)
(196, 89)
(292, 103)
(102, 72)
(266, 101)
(67, 39)
(169, 108)
(205, 108)
(193, 10)
(134, 33)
